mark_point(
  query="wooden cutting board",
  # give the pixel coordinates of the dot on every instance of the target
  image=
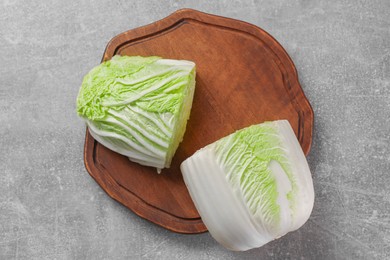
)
(244, 77)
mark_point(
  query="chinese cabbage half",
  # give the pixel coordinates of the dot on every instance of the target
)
(252, 186)
(138, 106)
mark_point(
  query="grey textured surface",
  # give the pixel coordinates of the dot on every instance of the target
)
(50, 208)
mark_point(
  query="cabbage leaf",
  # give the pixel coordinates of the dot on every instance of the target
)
(138, 106)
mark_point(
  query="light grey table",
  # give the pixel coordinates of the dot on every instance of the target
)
(50, 208)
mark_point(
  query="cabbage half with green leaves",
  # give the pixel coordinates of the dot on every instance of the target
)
(139, 106)
(252, 186)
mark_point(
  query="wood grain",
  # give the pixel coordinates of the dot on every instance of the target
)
(244, 77)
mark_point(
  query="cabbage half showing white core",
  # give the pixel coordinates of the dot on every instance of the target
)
(252, 186)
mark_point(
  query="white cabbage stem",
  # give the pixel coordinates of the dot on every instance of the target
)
(251, 187)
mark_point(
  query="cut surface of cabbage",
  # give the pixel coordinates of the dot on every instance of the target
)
(252, 186)
(138, 106)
